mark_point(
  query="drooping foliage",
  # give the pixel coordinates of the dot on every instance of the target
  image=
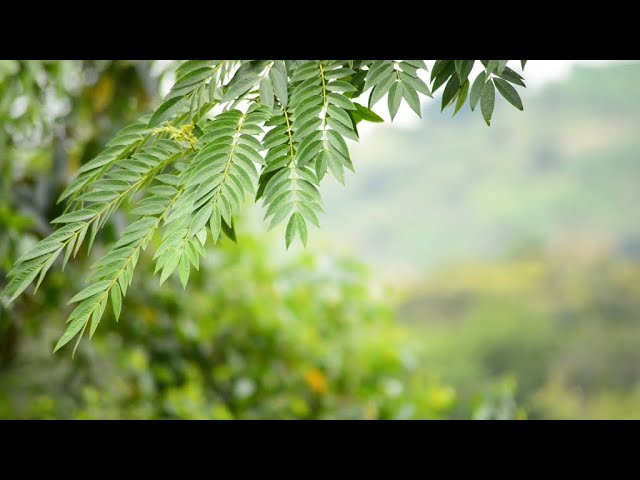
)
(270, 130)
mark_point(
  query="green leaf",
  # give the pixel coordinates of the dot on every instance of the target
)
(341, 101)
(378, 75)
(340, 115)
(244, 80)
(487, 101)
(462, 96)
(229, 231)
(192, 254)
(184, 270)
(81, 215)
(476, 89)
(439, 67)
(381, 90)
(335, 166)
(338, 142)
(308, 214)
(69, 250)
(417, 63)
(97, 197)
(149, 208)
(20, 282)
(301, 132)
(214, 224)
(512, 77)
(165, 111)
(48, 263)
(304, 71)
(395, 97)
(201, 219)
(95, 320)
(279, 83)
(193, 78)
(111, 185)
(322, 163)
(447, 72)
(338, 73)
(463, 69)
(116, 302)
(342, 129)
(266, 93)
(280, 215)
(295, 226)
(192, 65)
(167, 178)
(308, 153)
(292, 229)
(492, 66)
(415, 83)
(508, 92)
(169, 266)
(90, 291)
(302, 229)
(107, 156)
(192, 109)
(523, 63)
(412, 99)
(450, 91)
(367, 114)
(42, 248)
(340, 86)
(92, 235)
(74, 187)
(79, 240)
(202, 238)
(72, 330)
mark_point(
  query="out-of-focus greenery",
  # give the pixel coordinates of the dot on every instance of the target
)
(251, 339)
(565, 330)
(516, 247)
(254, 336)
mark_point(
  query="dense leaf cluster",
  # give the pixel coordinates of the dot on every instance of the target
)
(270, 130)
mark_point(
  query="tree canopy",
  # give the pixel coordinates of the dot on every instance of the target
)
(270, 130)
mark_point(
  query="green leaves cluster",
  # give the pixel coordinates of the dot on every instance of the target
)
(454, 75)
(400, 81)
(269, 130)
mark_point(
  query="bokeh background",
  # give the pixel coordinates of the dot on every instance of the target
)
(464, 272)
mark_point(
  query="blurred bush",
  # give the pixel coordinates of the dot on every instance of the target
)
(565, 329)
(248, 339)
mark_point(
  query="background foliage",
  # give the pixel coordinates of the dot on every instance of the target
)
(516, 246)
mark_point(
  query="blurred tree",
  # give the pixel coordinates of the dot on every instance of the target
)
(565, 334)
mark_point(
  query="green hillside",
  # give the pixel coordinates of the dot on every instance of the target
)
(563, 173)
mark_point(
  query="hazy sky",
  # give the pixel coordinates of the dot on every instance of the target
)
(539, 72)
